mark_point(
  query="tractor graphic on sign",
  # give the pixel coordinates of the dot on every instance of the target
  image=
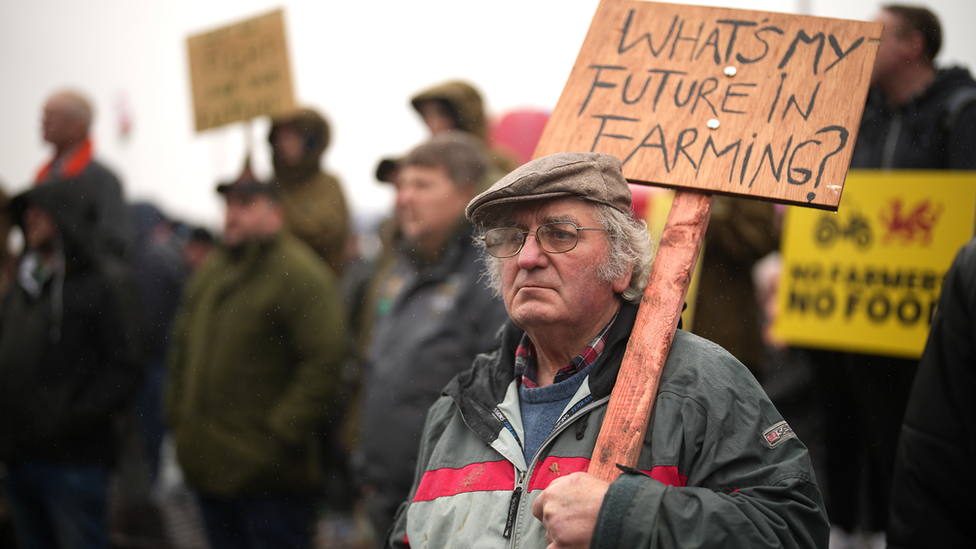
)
(857, 230)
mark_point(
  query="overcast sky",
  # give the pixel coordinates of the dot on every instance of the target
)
(356, 62)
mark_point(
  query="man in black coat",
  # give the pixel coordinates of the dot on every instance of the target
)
(70, 358)
(931, 495)
(66, 125)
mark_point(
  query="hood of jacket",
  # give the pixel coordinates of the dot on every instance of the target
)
(463, 100)
(73, 203)
(313, 127)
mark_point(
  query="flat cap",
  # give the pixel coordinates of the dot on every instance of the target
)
(595, 177)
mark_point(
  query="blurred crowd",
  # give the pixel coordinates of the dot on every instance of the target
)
(164, 386)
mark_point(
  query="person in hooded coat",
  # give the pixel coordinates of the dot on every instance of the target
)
(457, 105)
(70, 360)
(315, 207)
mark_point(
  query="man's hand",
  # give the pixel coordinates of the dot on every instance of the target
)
(568, 509)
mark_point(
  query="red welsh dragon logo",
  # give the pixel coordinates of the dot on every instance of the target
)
(912, 224)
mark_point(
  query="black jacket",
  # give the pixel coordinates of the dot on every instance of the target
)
(70, 353)
(934, 131)
(933, 485)
(431, 321)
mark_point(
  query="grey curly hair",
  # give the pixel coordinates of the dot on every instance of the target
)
(630, 248)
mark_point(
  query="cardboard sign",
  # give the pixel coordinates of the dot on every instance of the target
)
(240, 72)
(719, 100)
(867, 279)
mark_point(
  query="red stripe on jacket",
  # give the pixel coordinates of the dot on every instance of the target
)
(500, 475)
(554, 467)
(668, 474)
(477, 477)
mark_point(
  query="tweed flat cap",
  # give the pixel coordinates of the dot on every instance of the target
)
(595, 177)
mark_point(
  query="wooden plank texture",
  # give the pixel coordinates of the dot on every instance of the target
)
(622, 435)
(786, 91)
(240, 71)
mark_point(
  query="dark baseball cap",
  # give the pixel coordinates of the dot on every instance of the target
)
(386, 169)
(595, 177)
(249, 188)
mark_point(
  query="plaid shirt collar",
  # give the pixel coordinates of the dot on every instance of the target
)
(526, 369)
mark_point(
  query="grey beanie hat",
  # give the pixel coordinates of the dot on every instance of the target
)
(595, 177)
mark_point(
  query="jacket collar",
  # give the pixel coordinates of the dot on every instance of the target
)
(251, 255)
(454, 250)
(70, 167)
(478, 390)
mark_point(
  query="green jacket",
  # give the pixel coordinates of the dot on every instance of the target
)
(315, 206)
(253, 369)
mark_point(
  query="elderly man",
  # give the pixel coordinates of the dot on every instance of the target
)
(254, 367)
(512, 435)
(66, 125)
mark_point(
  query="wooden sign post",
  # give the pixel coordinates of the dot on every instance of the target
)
(240, 71)
(707, 100)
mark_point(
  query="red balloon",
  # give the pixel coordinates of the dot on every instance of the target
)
(518, 132)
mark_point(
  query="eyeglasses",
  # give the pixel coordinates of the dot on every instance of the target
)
(555, 238)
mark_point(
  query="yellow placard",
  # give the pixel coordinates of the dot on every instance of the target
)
(867, 278)
(240, 71)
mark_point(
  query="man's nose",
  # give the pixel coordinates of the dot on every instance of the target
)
(403, 196)
(532, 255)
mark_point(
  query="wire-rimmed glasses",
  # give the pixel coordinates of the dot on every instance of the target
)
(555, 238)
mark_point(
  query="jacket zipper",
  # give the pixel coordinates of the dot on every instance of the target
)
(515, 504)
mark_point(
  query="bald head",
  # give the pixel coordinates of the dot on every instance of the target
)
(67, 118)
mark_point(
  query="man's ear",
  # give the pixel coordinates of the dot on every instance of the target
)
(917, 44)
(623, 282)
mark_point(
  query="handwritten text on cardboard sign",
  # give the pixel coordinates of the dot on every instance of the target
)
(731, 101)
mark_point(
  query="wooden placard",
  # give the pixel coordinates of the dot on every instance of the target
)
(651, 77)
(240, 71)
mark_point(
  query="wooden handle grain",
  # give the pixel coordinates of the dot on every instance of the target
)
(625, 424)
